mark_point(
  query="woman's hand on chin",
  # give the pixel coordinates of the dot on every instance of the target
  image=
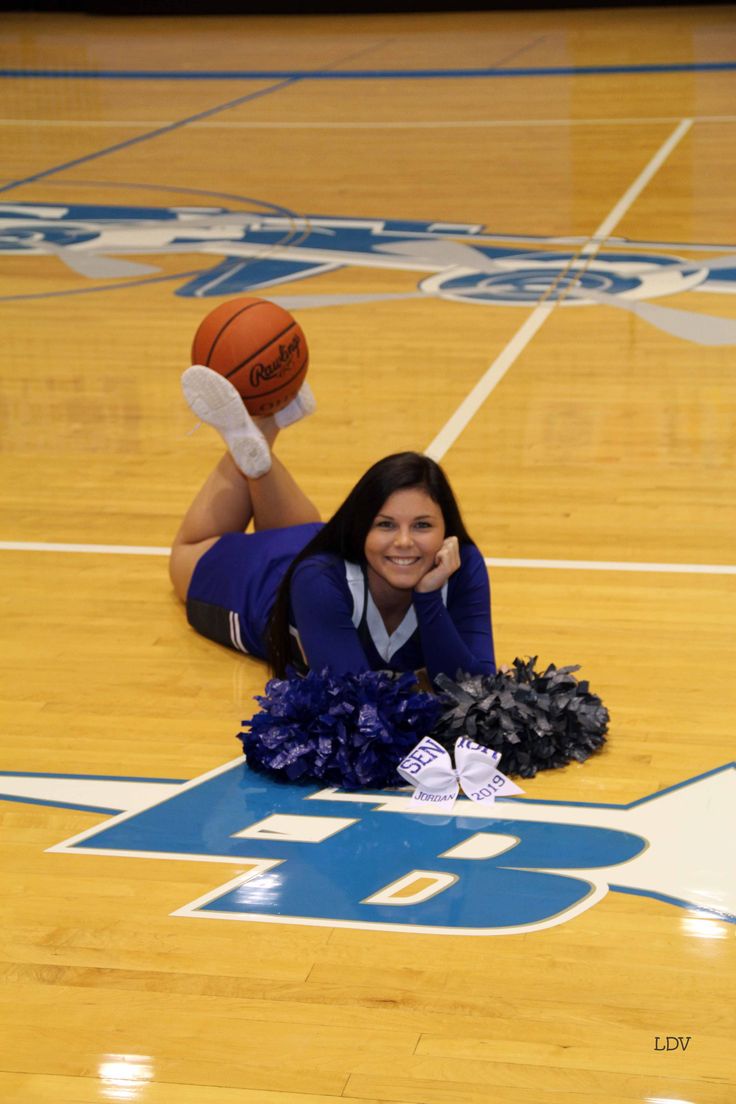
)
(446, 563)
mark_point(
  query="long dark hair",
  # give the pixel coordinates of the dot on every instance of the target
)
(345, 533)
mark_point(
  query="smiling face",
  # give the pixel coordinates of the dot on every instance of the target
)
(403, 540)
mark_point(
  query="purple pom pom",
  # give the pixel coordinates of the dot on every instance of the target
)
(350, 731)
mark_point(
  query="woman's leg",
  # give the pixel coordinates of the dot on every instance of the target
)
(228, 501)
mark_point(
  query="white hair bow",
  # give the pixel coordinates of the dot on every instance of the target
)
(429, 768)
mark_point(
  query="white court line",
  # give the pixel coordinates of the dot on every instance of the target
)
(96, 549)
(613, 565)
(474, 399)
(406, 124)
(495, 373)
(609, 223)
(491, 561)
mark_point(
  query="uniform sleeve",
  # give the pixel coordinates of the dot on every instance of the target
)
(322, 610)
(458, 636)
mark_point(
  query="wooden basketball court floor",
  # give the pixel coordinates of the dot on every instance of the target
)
(510, 238)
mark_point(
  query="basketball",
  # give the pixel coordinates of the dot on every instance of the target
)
(259, 347)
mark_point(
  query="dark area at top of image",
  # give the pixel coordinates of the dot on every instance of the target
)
(315, 7)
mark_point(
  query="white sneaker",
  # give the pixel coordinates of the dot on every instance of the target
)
(300, 407)
(215, 401)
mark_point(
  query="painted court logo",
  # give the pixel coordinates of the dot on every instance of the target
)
(253, 250)
(367, 860)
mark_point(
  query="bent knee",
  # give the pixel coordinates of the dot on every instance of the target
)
(180, 572)
(183, 559)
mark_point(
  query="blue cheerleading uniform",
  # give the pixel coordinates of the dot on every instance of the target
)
(234, 585)
(337, 624)
(334, 621)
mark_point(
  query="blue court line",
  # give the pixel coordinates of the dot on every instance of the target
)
(92, 777)
(714, 913)
(365, 74)
(107, 809)
(77, 806)
(148, 135)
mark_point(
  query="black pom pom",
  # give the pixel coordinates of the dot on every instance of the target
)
(536, 720)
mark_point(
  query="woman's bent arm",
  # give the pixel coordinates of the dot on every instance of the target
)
(458, 637)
